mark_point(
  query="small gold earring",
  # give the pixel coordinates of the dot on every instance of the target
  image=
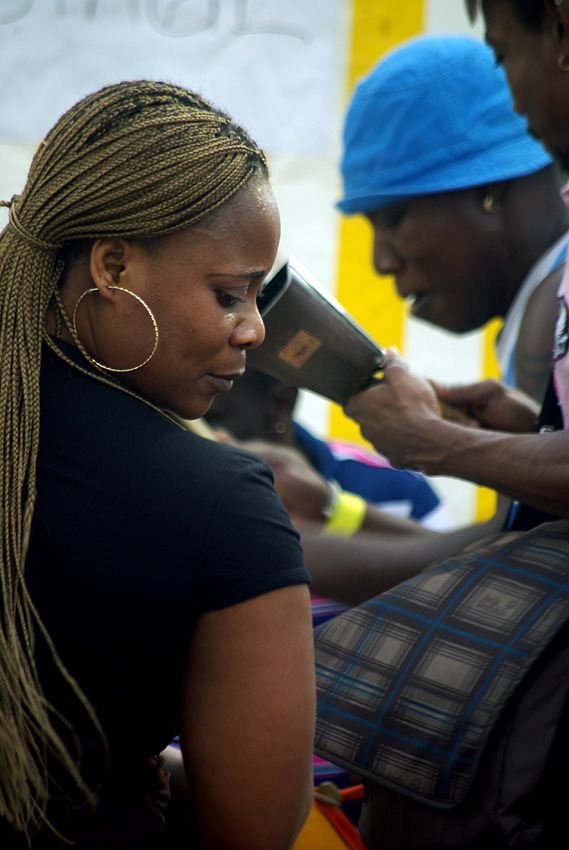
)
(489, 203)
(280, 427)
(102, 365)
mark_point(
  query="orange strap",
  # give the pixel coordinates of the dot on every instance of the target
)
(353, 792)
(339, 820)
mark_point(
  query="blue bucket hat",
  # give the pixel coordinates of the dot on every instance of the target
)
(434, 115)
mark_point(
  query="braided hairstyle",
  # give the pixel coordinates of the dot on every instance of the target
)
(135, 160)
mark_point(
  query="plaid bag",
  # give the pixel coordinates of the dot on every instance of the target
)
(411, 683)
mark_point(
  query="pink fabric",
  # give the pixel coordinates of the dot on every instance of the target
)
(352, 452)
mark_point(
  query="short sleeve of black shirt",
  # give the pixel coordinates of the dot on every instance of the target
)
(139, 527)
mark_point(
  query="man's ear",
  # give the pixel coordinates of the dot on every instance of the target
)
(108, 260)
(557, 16)
(285, 400)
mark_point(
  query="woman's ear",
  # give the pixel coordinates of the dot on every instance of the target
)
(108, 260)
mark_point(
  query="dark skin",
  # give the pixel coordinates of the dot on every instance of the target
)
(257, 414)
(349, 569)
(201, 284)
(530, 48)
(463, 265)
(402, 416)
(500, 247)
(357, 568)
(531, 55)
(535, 337)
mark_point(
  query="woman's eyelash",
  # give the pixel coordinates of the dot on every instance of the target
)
(227, 300)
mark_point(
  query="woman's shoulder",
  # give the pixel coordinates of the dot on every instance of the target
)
(179, 447)
(94, 432)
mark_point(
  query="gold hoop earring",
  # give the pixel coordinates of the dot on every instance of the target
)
(563, 61)
(489, 203)
(148, 310)
(280, 427)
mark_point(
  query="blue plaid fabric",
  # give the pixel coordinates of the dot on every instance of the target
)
(410, 683)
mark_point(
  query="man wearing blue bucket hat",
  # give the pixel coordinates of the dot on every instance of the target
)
(464, 203)
(435, 691)
(467, 216)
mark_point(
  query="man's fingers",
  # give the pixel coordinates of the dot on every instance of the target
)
(394, 358)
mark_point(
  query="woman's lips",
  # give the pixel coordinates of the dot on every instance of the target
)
(224, 382)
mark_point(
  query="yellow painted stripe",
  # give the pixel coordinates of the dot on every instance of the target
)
(376, 27)
(485, 498)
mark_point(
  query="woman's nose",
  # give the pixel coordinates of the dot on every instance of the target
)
(250, 329)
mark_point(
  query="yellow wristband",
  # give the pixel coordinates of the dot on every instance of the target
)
(348, 515)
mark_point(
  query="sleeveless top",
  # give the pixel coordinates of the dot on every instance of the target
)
(560, 348)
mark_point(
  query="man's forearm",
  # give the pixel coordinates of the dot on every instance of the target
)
(530, 468)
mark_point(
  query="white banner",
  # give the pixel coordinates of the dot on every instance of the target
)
(272, 65)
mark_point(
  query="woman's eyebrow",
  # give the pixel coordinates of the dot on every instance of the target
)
(240, 276)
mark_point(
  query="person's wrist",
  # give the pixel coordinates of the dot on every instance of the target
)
(344, 512)
(441, 446)
(333, 491)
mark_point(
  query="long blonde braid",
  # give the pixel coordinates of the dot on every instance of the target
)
(135, 160)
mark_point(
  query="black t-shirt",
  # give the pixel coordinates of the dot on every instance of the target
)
(139, 527)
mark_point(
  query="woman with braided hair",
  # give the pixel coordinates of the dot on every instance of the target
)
(151, 581)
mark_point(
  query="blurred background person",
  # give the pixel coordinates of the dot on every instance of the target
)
(261, 408)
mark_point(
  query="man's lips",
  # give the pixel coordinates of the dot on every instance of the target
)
(418, 302)
(415, 299)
